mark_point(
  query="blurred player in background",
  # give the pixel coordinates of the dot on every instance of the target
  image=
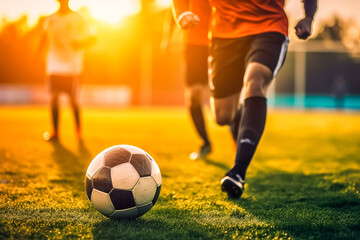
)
(196, 44)
(248, 47)
(67, 34)
(339, 91)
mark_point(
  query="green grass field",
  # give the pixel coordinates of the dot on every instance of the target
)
(303, 183)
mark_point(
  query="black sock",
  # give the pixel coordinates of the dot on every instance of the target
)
(251, 129)
(199, 122)
(55, 114)
(234, 126)
(76, 115)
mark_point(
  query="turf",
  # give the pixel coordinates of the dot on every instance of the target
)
(303, 183)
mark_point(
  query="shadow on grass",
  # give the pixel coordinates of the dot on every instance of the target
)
(314, 206)
(84, 152)
(153, 227)
(65, 158)
(217, 164)
(71, 165)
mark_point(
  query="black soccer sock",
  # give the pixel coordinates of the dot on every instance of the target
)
(251, 129)
(234, 126)
(55, 114)
(199, 122)
(76, 111)
(77, 116)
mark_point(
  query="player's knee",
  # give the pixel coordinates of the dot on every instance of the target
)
(194, 98)
(223, 118)
(256, 87)
(195, 101)
(257, 82)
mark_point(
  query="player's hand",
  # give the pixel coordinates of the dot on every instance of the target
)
(190, 20)
(303, 28)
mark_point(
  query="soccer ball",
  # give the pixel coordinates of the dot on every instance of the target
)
(123, 182)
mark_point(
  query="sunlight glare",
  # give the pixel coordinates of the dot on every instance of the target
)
(14, 9)
(110, 11)
(163, 4)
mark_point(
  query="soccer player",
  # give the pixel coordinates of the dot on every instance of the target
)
(67, 34)
(196, 60)
(248, 47)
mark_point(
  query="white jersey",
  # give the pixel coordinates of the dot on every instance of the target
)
(63, 29)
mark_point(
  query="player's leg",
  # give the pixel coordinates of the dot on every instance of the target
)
(54, 104)
(196, 86)
(235, 124)
(195, 100)
(227, 58)
(252, 125)
(73, 96)
(257, 79)
(264, 60)
(224, 109)
(54, 109)
(226, 78)
(76, 112)
(225, 113)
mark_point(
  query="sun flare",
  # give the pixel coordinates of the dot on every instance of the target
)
(110, 11)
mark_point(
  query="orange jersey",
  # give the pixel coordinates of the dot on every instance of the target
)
(239, 18)
(199, 34)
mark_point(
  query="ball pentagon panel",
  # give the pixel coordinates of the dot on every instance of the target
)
(142, 164)
(144, 191)
(124, 176)
(102, 202)
(117, 156)
(102, 180)
(122, 199)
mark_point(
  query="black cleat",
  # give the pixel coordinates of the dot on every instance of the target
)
(233, 185)
(202, 153)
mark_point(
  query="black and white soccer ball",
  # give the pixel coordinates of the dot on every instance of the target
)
(123, 182)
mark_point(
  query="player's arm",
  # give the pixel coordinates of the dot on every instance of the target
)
(86, 35)
(303, 27)
(44, 38)
(184, 17)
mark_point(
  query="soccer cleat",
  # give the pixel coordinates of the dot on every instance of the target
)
(203, 152)
(50, 137)
(233, 185)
